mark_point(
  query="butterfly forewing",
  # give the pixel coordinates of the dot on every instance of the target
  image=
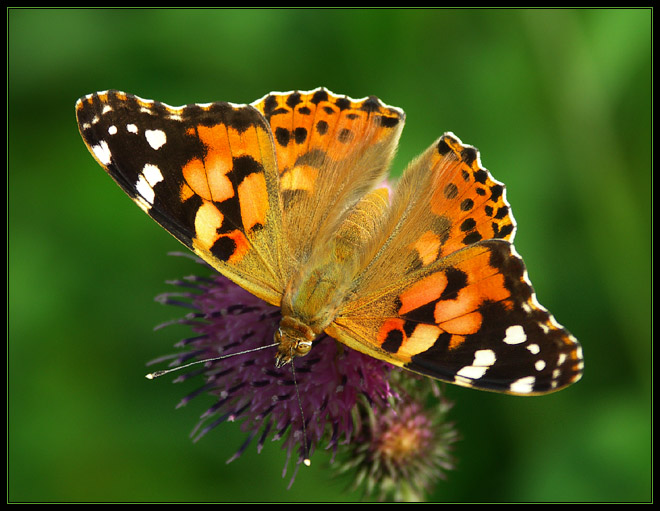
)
(206, 173)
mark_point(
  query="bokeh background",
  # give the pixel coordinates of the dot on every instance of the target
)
(557, 101)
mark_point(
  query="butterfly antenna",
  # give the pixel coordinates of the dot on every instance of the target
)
(306, 459)
(156, 374)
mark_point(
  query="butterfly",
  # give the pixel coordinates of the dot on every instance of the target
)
(288, 198)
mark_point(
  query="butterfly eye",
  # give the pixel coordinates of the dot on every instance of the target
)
(302, 348)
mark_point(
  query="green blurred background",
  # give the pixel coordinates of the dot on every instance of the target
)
(557, 101)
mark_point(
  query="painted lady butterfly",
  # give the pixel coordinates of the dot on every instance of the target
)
(284, 197)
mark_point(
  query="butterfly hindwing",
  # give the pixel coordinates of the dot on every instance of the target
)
(473, 321)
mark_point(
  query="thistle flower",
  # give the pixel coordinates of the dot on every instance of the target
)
(348, 400)
(401, 452)
(249, 388)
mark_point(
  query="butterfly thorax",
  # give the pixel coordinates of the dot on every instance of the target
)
(309, 305)
(323, 283)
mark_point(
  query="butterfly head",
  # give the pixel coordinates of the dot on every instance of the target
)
(294, 339)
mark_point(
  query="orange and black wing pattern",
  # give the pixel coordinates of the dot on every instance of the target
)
(206, 173)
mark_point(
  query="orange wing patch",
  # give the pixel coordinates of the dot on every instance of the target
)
(396, 335)
(207, 176)
(230, 168)
(310, 127)
(467, 194)
(423, 292)
(253, 197)
(446, 301)
(466, 204)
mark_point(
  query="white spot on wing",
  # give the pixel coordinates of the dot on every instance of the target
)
(112, 130)
(155, 138)
(145, 190)
(483, 359)
(578, 351)
(523, 385)
(152, 174)
(149, 177)
(515, 335)
(102, 152)
(131, 128)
